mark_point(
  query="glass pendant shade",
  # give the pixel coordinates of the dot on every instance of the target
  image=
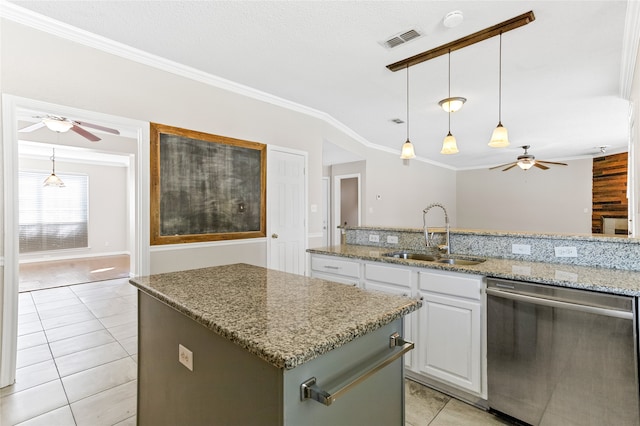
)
(54, 180)
(449, 145)
(57, 125)
(407, 151)
(499, 138)
(452, 104)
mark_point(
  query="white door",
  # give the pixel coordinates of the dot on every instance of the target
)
(286, 201)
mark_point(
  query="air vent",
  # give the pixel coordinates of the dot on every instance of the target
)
(397, 120)
(402, 38)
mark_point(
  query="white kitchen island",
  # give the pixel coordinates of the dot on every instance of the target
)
(234, 345)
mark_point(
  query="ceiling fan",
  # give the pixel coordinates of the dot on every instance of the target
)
(526, 161)
(63, 124)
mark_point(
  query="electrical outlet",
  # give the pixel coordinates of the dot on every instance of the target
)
(392, 239)
(520, 249)
(566, 251)
(185, 356)
(374, 238)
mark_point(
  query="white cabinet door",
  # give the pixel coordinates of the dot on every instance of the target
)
(394, 280)
(337, 269)
(450, 341)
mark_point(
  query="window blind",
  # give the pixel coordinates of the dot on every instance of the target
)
(52, 218)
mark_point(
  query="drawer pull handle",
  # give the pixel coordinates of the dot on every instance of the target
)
(310, 390)
(331, 267)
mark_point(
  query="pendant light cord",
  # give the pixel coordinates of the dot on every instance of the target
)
(449, 90)
(500, 82)
(407, 102)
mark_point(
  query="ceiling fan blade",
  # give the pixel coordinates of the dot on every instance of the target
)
(501, 165)
(510, 167)
(97, 127)
(84, 133)
(32, 127)
(541, 166)
(552, 162)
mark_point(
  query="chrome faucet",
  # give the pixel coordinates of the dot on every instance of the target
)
(429, 239)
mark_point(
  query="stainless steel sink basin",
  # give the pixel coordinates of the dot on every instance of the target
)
(456, 261)
(411, 255)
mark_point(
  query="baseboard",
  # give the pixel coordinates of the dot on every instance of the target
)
(50, 258)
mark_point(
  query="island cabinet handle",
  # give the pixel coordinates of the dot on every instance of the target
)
(309, 389)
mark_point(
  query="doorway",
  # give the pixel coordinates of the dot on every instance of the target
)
(13, 110)
(346, 203)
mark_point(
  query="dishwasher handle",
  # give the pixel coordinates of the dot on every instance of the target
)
(309, 389)
(559, 304)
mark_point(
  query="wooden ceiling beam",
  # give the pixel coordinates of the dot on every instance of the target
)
(503, 27)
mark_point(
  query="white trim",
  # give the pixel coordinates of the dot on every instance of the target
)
(51, 26)
(12, 107)
(188, 246)
(630, 42)
(315, 235)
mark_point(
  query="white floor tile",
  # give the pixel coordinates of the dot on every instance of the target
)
(29, 327)
(79, 343)
(30, 403)
(108, 407)
(66, 310)
(33, 355)
(108, 307)
(89, 358)
(67, 331)
(69, 319)
(53, 294)
(58, 304)
(124, 331)
(60, 417)
(127, 317)
(130, 344)
(30, 340)
(32, 375)
(95, 380)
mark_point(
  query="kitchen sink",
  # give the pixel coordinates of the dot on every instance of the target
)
(411, 255)
(430, 258)
(456, 261)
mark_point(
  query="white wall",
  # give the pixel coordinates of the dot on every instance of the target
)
(108, 208)
(405, 190)
(553, 200)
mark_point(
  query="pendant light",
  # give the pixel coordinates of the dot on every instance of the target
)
(449, 145)
(499, 138)
(407, 148)
(53, 180)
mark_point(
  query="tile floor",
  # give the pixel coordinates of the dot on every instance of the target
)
(77, 364)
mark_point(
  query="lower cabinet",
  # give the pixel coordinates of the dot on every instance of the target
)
(450, 331)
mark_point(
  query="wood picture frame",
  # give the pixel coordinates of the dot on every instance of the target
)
(205, 187)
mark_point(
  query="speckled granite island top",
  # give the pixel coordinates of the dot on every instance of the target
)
(283, 318)
(603, 280)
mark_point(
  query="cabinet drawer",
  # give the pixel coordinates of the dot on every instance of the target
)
(335, 278)
(388, 288)
(387, 274)
(451, 283)
(336, 266)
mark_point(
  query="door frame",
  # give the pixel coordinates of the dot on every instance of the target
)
(305, 213)
(138, 213)
(337, 180)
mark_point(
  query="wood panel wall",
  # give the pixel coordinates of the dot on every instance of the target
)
(609, 189)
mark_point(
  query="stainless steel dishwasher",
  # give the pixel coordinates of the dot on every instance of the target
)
(559, 356)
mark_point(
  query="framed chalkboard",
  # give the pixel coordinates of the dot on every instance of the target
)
(205, 187)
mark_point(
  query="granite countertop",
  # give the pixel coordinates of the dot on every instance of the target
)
(283, 318)
(603, 280)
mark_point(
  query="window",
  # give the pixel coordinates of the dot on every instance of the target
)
(52, 218)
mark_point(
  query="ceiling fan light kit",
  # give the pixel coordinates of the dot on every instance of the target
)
(527, 161)
(57, 124)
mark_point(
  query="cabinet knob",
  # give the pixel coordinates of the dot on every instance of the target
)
(274, 235)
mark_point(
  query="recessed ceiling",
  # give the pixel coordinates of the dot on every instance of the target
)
(562, 74)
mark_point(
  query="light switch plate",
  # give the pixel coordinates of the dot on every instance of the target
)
(373, 238)
(520, 249)
(392, 239)
(566, 251)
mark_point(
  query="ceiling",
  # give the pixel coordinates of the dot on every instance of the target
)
(564, 79)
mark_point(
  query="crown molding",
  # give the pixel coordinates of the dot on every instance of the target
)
(51, 26)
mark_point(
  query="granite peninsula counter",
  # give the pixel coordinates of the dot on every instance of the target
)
(254, 336)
